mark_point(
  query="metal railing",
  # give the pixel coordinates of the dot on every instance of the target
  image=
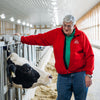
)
(32, 53)
(7, 92)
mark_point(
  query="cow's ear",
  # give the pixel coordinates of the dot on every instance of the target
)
(10, 67)
(8, 53)
(9, 72)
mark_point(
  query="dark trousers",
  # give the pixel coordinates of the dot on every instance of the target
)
(75, 82)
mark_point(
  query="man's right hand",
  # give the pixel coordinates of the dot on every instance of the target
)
(18, 34)
(17, 37)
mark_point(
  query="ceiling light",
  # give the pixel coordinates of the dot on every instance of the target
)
(2, 16)
(27, 24)
(56, 19)
(53, 0)
(18, 21)
(55, 8)
(54, 24)
(53, 3)
(23, 23)
(31, 25)
(12, 19)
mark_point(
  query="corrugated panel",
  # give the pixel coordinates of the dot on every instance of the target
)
(43, 11)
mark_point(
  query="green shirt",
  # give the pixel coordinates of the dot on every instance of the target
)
(67, 47)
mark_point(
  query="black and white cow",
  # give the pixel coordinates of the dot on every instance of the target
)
(22, 74)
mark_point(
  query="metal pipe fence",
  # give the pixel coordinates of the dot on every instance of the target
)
(32, 53)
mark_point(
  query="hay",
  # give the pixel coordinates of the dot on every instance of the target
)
(48, 92)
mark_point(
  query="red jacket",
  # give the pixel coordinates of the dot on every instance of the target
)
(81, 53)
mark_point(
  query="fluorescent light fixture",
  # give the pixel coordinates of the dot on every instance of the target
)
(55, 8)
(23, 23)
(2, 16)
(12, 19)
(31, 25)
(53, 3)
(55, 12)
(56, 18)
(18, 21)
(54, 24)
(27, 24)
(53, 0)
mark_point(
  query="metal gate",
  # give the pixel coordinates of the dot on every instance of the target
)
(33, 53)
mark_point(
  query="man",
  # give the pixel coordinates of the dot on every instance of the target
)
(74, 58)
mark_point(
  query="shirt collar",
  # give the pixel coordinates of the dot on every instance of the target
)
(76, 31)
(72, 33)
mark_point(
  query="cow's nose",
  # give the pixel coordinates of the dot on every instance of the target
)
(50, 76)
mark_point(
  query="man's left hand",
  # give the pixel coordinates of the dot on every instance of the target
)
(88, 81)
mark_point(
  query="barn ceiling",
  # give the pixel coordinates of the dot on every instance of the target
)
(45, 12)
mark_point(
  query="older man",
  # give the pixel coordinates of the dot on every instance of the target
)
(74, 58)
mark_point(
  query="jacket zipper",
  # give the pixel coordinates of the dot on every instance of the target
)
(64, 54)
(70, 49)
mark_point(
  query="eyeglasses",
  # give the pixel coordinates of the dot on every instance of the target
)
(68, 26)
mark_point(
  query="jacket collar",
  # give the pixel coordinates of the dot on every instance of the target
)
(77, 32)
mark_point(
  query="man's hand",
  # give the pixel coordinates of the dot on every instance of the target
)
(88, 81)
(18, 34)
(17, 37)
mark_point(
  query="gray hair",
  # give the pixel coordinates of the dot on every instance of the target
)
(69, 18)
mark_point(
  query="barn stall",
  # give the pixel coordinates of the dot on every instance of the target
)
(32, 53)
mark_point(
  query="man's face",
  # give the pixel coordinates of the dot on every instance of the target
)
(68, 28)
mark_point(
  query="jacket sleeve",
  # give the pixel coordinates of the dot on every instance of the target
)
(44, 39)
(89, 55)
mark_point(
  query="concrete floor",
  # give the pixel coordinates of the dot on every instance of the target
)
(94, 90)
